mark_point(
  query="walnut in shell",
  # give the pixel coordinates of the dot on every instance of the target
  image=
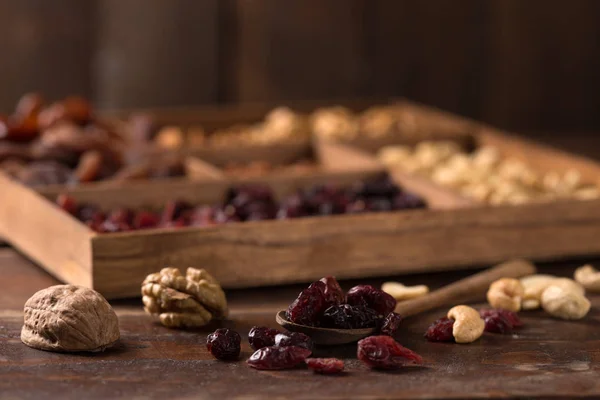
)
(183, 301)
(69, 318)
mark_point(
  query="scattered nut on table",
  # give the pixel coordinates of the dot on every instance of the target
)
(534, 286)
(69, 318)
(588, 277)
(183, 301)
(468, 325)
(401, 292)
(506, 293)
(565, 303)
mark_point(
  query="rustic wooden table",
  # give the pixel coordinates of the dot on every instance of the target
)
(548, 358)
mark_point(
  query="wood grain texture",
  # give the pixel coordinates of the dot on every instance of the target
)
(291, 50)
(156, 53)
(47, 47)
(48, 235)
(546, 359)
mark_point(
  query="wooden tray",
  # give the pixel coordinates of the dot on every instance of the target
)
(454, 233)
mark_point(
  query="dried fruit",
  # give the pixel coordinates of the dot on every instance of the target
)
(391, 324)
(499, 320)
(370, 296)
(293, 339)
(308, 308)
(224, 344)
(67, 203)
(383, 352)
(261, 336)
(273, 357)
(345, 316)
(325, 365)
(440, 331)
(69, 318)
(333, 292)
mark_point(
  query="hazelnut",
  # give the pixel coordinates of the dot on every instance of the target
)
(68, 318)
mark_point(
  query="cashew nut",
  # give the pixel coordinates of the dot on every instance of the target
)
(401, 292)
(589, 277)
(506, 293)
(564, 303)
(468, 325)
(534, 286)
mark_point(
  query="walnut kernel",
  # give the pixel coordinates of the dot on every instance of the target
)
(183, 301)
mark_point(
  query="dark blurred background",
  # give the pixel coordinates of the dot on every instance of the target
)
(522, 65)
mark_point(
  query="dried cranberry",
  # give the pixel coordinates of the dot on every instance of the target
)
(122, 216)
(391, 324)
(384, 352)
(440, 331)
(67, 203)
(500, 321)
(345, 316)
(173, 210)
(308, 308)
(261, 336)
(333, 292)
(370, 296)
(145, 220)
(224, 344)
(325, 365)
(408, 201)
(274, 357)
(293, 339)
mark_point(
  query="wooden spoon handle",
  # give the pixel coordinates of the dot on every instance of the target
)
(472, 288)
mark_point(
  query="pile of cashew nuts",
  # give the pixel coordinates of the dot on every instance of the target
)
(560, 297)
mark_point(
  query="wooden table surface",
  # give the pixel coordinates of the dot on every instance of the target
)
(548, 358)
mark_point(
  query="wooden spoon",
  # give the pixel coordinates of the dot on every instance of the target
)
(466, 290)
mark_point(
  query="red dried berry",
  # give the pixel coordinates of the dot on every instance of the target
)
(333, 292)
(67, 203)
(499, 320)
(391, 324)
(325, 365)
(293, 339)
(224, 344)
(383, 352)
(145, 220)
(261, 336)
(370, 296)
(345, 316)
(440, 331)
(272, 357)
(309, 306)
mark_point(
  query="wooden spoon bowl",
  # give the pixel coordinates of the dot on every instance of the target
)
(470, 289)
(325, 336)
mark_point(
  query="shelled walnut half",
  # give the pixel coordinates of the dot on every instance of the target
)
(181, 301)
